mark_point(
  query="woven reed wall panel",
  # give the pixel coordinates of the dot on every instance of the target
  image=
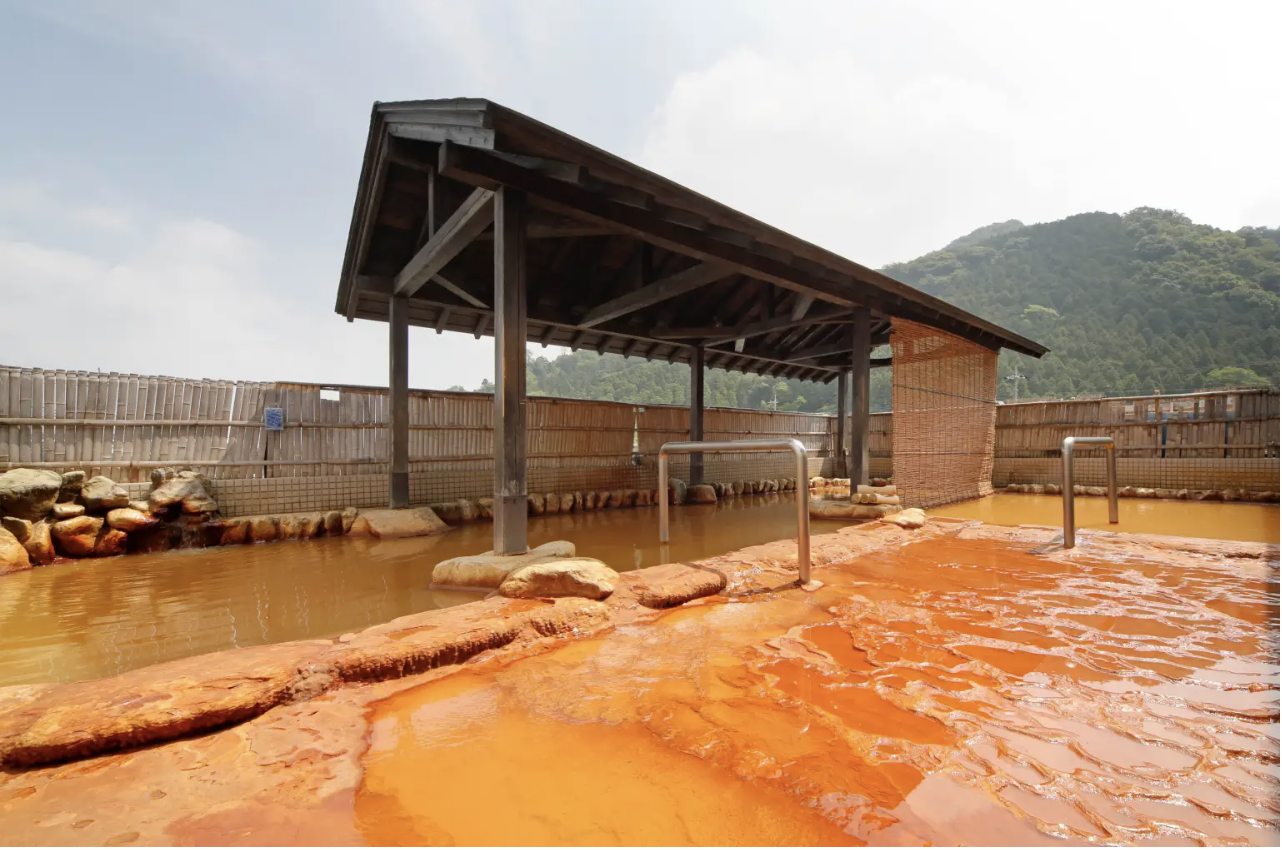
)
(944, 403)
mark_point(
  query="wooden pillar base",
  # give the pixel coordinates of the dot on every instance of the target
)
(839, 467)
(861, 364)
(510, 517)
(696, 413)
(400, 490)
(399, 397)
(509, 373)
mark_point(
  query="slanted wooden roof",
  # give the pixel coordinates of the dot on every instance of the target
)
(619, 259)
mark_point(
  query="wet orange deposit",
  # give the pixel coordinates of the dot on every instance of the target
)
(948, 691)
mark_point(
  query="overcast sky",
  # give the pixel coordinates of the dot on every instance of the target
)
(177, 178)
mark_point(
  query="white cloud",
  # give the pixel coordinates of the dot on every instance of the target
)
(884, 132)
(195, 301)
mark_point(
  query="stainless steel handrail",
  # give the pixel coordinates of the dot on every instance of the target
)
(1066, 453)
(720, 447)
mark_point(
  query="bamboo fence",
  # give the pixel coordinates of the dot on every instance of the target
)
(125, 425)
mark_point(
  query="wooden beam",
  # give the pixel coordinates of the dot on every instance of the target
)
(861, 356)
(467, 222)
(779, 323)
(801, 306)
(696, 332)
(367, 222)
(450, 286)
(442, 318)
(398, 386)
(696, 413)
(817, 351)
(843, 407)
(509, 374)
(557, 230)
(678, 284)
(482, 325)
(547, 335)
(557, 169)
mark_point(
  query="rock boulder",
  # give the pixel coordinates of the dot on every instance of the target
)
(13, 555)
(490, 570)
(585, 577)
(72, 484)
(262, 529)
(184, 488)
(234, 532)
(333, 523)
(34, 537)
(86, 537)
(907, 518)
(701, 494)
(28, 493)
(128, 519)
(66, 510)
(100, 494)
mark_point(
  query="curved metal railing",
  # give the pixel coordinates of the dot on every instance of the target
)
(1066, 454)
(714, 447)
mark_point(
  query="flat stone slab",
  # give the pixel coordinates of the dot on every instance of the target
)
(406, 522)
(154, 703)
(669, 585)
(489, 570)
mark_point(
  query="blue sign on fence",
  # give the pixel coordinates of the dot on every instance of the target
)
(274, 419)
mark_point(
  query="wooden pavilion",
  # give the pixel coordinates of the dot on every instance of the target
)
(473, 218)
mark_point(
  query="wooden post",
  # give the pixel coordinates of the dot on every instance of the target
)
(398, 382)
(860, 367)
(843, 411)
(510, 502)
(696, 412)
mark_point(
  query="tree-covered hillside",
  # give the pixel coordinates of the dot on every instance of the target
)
(611, 377)
(1127, 304)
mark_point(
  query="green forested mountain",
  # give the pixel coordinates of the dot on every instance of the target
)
(1127, 304)
(611, 377)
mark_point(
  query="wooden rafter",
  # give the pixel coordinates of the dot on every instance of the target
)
(678, 284)
(458, 231)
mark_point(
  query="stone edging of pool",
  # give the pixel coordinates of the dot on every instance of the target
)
(56, 722)
(46, 517)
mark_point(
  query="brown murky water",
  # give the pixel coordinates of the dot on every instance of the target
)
(950, 691)
(1214, 520)
(86, 619)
